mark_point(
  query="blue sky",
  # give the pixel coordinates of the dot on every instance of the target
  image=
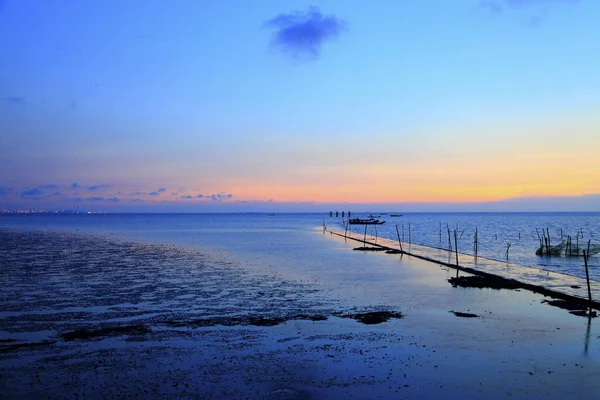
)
(227, 104)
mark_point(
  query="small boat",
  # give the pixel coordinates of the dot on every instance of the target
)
(367, 221)
(395, 215)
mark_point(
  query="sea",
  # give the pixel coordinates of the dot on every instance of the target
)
(214, 306)
(262, 237)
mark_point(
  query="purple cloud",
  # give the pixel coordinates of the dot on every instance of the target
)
(303, 33)
(32, 192)
(96, 187)
(497, 6)
(15, 99)
(157, 192)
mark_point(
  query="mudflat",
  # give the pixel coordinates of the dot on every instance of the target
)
(101, 317)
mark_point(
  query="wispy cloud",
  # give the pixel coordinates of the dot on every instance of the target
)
(97, 187)
(157, 192)
(15, 99)
(214, 196)
(32, 192)
(497, 6)
(302, 34)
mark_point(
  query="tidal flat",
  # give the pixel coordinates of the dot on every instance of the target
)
(94, 316)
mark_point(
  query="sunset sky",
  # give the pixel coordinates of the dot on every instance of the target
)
(223, 105)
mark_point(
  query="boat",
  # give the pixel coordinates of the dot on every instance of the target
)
(395, 215)
(367, 221)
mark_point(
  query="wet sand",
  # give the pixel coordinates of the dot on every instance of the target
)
(85, 316)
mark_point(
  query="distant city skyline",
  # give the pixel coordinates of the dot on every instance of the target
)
(187, 106)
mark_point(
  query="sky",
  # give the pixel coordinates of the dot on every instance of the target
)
(280, 105)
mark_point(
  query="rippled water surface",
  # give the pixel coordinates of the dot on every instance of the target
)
(241, 234)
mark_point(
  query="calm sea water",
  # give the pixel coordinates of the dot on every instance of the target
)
(254, 237)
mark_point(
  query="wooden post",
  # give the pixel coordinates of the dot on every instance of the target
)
(449, 240)
(456, 247)
(403, 232)
(507, 249)
(476, 245)
(375, 233)
(365, 238)
(440, 232)
(587, 277)
(409, 237)
(399, 241)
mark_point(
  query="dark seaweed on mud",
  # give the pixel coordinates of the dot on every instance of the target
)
(482, 282)
(373, 317)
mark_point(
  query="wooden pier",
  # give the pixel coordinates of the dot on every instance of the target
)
(547, 283)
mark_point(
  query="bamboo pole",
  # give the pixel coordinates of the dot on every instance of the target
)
(365, 237)
(456, 246)
(587, 277)
(476, 242)
(399, 241)
(507, 249)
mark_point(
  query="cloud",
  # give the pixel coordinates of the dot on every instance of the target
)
(75, 186)
(15, 99)
(301, 34)
(113, 199)
(3, 191)
(97, 198)
(497, 6)
(157, 193)
(50, 186)
(528, 2)
(137, 200)
(221, 196)
(32, 192)
(96, 187)
(215, 196)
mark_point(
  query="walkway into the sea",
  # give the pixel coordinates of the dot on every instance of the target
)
(538, 280)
